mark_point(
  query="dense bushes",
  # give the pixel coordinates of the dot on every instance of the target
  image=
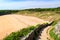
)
(43, 9)
(3, 12)
(18, 35)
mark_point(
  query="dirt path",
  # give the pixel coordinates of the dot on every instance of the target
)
(44, 35)
(12, 23)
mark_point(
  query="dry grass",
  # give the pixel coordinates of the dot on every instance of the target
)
(46, 15)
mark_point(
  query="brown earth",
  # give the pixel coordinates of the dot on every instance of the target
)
(12, 23)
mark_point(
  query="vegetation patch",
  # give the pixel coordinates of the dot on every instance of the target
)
(19, 34)
(23, 33)
(4, 12)
(53, 35)
(54, 23)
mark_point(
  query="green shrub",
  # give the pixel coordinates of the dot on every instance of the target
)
(18, 35)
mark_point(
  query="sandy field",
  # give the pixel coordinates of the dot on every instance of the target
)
(11, 23)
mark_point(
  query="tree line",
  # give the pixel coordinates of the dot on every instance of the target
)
(44, 9)
(3, 12)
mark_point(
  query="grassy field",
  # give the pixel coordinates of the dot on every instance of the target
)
(48, 16)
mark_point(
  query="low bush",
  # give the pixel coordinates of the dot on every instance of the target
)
(18, 35)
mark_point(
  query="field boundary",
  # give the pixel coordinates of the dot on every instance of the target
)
(34, 34)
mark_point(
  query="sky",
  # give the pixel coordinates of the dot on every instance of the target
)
(26, 4)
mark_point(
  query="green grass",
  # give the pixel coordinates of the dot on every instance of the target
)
(18, 35)
(54, 23)
(53, 35)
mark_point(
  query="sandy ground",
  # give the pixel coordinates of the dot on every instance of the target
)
(44, 34)
(12, 23)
